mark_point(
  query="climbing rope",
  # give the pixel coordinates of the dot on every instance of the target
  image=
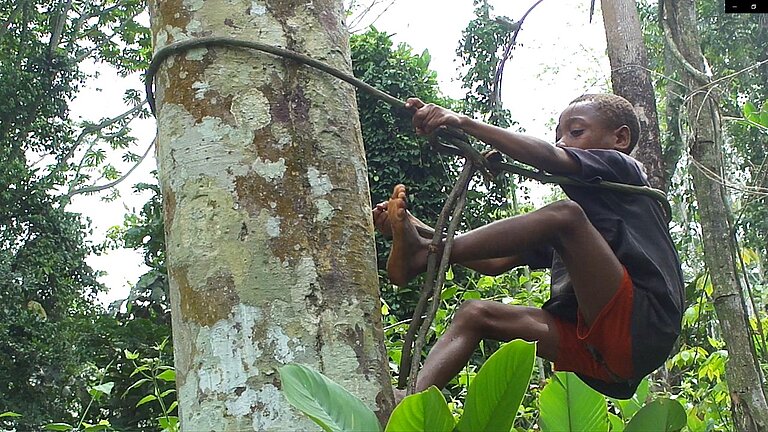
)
(446, 140)
(450, 140)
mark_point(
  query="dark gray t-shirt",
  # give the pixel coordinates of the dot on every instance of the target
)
(636, 230)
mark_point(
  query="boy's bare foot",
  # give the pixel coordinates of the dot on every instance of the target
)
(408, 252)
(382, 224)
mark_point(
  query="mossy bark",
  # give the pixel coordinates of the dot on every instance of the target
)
(268, 228)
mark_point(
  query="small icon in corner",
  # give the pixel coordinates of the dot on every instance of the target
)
(746, 6)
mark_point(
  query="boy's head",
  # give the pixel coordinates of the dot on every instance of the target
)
(599, 121)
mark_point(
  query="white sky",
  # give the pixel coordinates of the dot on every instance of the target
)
(560, 56)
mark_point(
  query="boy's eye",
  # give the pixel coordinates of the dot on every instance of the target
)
(577, 132)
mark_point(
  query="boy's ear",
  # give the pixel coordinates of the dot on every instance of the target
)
(623, 137)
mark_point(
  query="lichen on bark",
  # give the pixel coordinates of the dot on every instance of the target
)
(267, 214)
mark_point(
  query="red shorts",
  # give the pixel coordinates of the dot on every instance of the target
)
(603, 351)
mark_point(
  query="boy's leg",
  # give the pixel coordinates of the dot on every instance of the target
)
(492, 267)
(476, 320)
(595, 271)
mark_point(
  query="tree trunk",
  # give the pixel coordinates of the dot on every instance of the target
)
(748, 402)
(268, 228)
(631, 80)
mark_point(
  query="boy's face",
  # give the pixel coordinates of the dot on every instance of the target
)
(581, 126)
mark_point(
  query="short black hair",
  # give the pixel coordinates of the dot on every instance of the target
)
(615, 112)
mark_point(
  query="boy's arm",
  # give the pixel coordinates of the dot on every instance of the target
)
(524, 148)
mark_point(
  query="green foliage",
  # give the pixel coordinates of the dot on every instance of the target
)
(497, 390)
(493, 402)
(493, 399)
(48, 317)
(158, 378)
(150, 296)
(484, 49)
(394, 153)
(733, 45)
(519, 286)
(324, 401)
(56, 345)
(567, 404)
(424, 411)
(659, 415)
(629, 407)
(756, 117)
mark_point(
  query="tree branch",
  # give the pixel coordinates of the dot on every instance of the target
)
(97, 188)
(498, 77)
(462, 185)
(116, 32)
(700, 76)
(409, 368)
(12, 17)
(78, 25)
(58, 28)
(95, 128)
(367, 10)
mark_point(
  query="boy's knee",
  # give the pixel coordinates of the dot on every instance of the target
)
(471, 315)
(567, 213)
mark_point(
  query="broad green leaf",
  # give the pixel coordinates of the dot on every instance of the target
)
(763, 119)
(325, 402)
(130, 355)
(631, 406)
(168, 375)
(142, 368)
(58, 427)
(471, 295)
(567, 404)
(145, 399)
(496, 392)
(449, 292)
(660, 415)
(10, 414)
(426, 58)
(694, 423)
(136, 384)
(102, 389)
(169, 423)
(748, 109)
(422, 412)
(617, 424)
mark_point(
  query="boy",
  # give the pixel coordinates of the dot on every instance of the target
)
(617, 289)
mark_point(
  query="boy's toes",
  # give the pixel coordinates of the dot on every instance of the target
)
(397, 201)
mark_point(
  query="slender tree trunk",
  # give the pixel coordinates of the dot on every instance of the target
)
(748, 402)
(268, 227)
(673, 145)
(631, 80)
(763, 20)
